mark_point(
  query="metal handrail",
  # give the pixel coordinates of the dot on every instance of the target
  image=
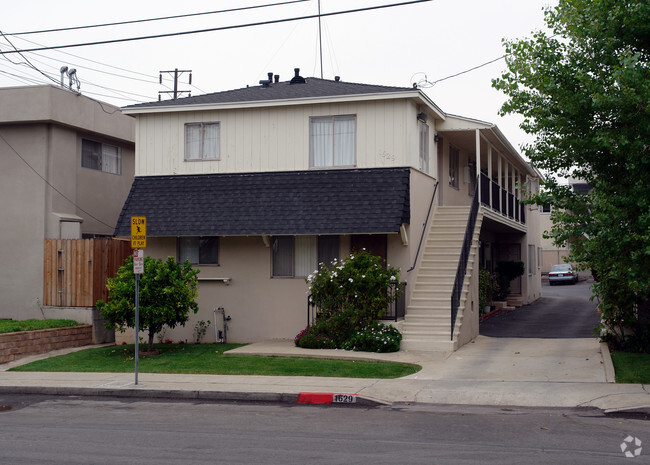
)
(462, 262)
(424, 228)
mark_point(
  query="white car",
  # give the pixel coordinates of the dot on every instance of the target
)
(563, 273)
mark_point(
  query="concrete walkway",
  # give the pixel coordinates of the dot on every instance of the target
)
(488, 371)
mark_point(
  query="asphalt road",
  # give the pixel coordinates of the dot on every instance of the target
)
(71, 431)
(563, 311)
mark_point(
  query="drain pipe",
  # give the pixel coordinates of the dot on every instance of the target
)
(226, 319)
(216, 331)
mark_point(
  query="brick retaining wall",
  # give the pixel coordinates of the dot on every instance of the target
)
(16, 345)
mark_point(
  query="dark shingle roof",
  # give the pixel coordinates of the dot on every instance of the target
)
(354, 201)
(312, 88)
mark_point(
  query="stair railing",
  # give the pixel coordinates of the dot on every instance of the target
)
(462, 262)
(424, 228)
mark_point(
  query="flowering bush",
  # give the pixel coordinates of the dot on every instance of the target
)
(359, 283)
(312, 338)
(350, 295)
(376, 337)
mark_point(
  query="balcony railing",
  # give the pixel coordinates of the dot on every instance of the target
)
(396, 309)
(502, 201)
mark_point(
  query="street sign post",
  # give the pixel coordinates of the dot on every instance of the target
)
(138, 242)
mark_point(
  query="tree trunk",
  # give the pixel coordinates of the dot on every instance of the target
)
(151, 335)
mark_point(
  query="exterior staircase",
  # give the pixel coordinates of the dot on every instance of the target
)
(427, 323)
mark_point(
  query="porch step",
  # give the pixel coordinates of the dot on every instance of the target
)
(428, 345)
(515, 300)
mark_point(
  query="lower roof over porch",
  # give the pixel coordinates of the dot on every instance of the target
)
(346, 201)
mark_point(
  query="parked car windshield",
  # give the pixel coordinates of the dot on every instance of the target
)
(561, 267)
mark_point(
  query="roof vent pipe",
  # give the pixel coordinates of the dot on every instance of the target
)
(297, 79)
(270, 75)
(277, 78)
(337, 78)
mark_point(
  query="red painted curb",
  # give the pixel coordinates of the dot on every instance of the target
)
(315, 398)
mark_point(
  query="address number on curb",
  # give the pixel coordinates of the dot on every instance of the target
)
(344, 399)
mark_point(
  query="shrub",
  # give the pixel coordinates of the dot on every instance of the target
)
(312, 338)
(359, 285)
(484, 293)
(350, 295)
(376, 337)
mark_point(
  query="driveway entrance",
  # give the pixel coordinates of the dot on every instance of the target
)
(562, 312)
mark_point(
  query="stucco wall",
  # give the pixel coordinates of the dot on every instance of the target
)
(44, 126)
(22, 228)
(261, 307)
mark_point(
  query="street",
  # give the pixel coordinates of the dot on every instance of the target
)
(58, 430)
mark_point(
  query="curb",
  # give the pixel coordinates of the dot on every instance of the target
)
(610, 373)
(213, 396)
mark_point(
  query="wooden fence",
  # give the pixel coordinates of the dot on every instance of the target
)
(75, 270)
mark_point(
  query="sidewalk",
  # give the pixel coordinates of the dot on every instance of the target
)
(489, 371)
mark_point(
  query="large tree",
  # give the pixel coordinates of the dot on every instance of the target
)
(167, 293)
(584, 92)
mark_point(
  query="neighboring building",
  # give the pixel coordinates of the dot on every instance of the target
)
(67, 164)
(551, 253)
(258, 185)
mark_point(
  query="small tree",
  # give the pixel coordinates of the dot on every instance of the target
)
(167, 293)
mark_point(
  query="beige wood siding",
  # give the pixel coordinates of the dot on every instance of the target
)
(277, 138)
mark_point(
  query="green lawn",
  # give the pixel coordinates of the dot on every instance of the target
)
(12, 326)
(209, 359)
(631, 367)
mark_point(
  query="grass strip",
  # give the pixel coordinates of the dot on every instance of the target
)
(12, 326)
(631, 367)
(209, 359)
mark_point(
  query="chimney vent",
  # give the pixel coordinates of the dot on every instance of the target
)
(297, 79)
(277, 78)
(270, 75)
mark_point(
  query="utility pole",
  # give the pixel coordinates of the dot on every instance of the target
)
(176, 73)
(320, 42)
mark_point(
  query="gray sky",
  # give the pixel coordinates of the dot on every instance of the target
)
(392, 46)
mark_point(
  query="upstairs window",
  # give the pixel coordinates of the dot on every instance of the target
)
(202, 141)
(332, 141)
(453, 166)
(101, 157)
(199, 250)
(424, 146)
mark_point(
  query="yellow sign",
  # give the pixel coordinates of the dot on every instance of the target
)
(138, 232)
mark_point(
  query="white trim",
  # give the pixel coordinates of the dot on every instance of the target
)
(226, 281)
(415, 94)
(404, 236)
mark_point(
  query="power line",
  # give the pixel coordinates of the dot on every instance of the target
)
(134, 21)
(222, 28)
(26, 60)
(49, 184)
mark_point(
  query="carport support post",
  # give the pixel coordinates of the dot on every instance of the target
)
(137, 323)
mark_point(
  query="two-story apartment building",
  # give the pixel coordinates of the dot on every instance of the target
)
(66, 167)
(259, 185)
